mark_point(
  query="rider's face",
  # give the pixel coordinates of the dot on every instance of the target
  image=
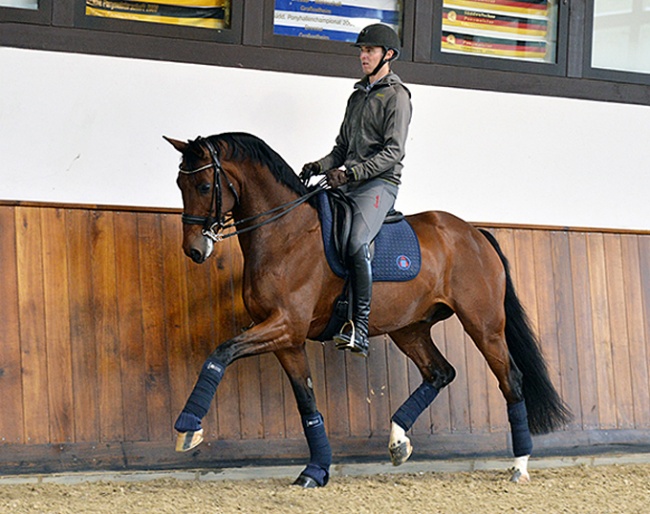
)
(370, 57)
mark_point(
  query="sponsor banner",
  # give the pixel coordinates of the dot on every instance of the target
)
(333, 20)
(486, 21)
(467, 43)
(538, 7)
(211, 14)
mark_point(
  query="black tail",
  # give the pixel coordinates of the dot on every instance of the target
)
(546, 410)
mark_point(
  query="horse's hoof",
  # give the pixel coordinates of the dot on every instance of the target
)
(185, 441)
(306, 482)
(400, 452)
(520, 477)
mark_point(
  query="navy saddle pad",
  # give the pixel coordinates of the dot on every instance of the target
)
(397, 249)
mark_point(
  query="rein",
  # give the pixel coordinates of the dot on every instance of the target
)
(214, 225)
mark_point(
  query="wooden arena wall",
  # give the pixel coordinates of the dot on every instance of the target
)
(105, 325)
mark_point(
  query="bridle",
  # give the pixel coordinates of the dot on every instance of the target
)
(212, 223)
(216, 221)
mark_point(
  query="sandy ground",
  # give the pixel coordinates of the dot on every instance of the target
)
(584, 490)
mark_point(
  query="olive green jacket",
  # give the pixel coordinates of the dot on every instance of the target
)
(373, 134)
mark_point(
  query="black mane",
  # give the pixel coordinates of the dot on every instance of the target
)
(239, 146)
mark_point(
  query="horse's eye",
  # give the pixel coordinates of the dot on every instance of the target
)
(204, 188)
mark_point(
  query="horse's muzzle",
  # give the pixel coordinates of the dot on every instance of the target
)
(200, 249)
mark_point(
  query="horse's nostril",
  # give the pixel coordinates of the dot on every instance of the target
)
(196, 256)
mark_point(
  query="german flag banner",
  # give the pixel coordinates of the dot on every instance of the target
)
(538, 7)
(465, 43)
(209, 14)
(486, 21)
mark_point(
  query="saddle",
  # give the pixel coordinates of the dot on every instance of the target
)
(395, 251)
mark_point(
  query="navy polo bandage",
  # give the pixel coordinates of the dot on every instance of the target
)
(522, 442)
(319, 448)
(199, 401)
(415, 405)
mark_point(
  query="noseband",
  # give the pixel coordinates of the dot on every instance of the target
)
(215, 221)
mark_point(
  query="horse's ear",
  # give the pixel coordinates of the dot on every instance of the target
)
(179, 145)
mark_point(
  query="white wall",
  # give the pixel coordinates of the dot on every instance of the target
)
(87, 129)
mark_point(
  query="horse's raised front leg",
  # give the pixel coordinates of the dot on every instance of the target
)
(416, 342)
(316, 474)
(269, 336)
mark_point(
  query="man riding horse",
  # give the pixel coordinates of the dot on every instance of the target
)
(366, 165)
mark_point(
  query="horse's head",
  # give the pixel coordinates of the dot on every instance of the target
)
(205, 200)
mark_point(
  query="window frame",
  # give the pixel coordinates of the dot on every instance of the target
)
(40, 16)
(559, 68)
(231, 35)
(588, 71)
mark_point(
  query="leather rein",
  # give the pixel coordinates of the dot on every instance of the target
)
(214, 224)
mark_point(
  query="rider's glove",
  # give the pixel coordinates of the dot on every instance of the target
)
(309, 170)
(336, 177)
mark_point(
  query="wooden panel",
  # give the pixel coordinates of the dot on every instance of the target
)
(32, 325)
(109, 379)
(158, 400)
(636, 333)
(82, 333)
(618, 332)
(586, 357)
(569, 383)
(124, 322)
(129, 295)
(57, 326)
(378, 386)
(11, 420)
(601, 331)
(358, 394)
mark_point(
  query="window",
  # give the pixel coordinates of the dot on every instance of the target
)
(209, 20)
(621, 35)
(521, 35)
(333, 21)
(328, 26)
(20, 4)
(210, 14)
(26, 11)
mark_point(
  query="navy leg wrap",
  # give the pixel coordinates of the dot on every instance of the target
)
(415, 405)
(198, 403)
(522, 442)
(320, 451)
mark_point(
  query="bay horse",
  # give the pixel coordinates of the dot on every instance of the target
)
(289, 291)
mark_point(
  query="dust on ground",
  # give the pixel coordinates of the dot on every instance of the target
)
(583, 489)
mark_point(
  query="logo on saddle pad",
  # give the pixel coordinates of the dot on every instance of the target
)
(403, 262)
(396, 248)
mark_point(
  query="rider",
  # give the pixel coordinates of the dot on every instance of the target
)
(366, 164)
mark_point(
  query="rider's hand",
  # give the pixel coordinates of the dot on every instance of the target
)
(336, 177)
(309, 170)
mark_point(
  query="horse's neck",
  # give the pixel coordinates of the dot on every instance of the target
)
(270, 237)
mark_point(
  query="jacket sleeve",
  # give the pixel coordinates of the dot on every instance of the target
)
(396, 123)
(336, 157)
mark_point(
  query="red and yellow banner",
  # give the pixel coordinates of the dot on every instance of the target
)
(494, 22)
(539, 7)
(466, 43)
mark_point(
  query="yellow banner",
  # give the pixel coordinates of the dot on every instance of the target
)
(210, 14)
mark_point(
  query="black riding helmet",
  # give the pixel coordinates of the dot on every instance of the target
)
(381, 35)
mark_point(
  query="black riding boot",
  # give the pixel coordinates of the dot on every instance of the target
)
(354, 336)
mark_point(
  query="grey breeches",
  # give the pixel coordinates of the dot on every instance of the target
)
(371, 201)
